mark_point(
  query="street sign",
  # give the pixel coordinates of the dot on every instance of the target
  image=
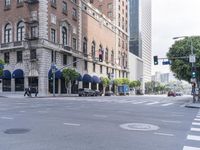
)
(166, 62)
(192, 59)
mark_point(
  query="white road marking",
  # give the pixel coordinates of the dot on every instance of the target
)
(196, 123)
(197, 119)
(164, 134)
(22, 111)
(193, 137)
(195, 129)
(7, 118)
(198, 116)
(168, 104)
(139, 102)
(190, 148)
(170, 121)
(72, 124)
(152, 103)
(42, 111)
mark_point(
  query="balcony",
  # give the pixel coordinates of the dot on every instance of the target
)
(68, 48)
(12, 45)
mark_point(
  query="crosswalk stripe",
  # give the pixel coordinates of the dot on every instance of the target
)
(152, 103)
(167, 104)
(197, 119)
(196, 123)
(195, 129)
(193, 137)
(190, 148)
(139, 102)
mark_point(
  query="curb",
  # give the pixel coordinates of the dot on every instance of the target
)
(191, 105)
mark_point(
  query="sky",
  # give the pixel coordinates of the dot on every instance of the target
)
(172, 18)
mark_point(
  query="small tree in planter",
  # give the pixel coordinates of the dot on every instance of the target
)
(1, 69)
(105, 82)
(69, 75)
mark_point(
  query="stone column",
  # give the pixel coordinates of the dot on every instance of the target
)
(97, 86)
(1, 85)
(12, 85)
(26, 82)
(80, 85)
(59, 86)
(90, 85)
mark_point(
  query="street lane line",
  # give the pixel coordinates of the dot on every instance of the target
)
(168, 104)
(193, 137)
(198, 116)
(72, 124)
(195, 129)
(164, 134)
(196, 123)
(139, 102)
(190, 148)
(170, 121)
(197, 119)
(152, 103)
(101, 116)
(7, 118)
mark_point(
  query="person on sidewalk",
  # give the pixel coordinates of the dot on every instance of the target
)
(36, 91)
(26, 92)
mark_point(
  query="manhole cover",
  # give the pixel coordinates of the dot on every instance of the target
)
(16, 131)
(139, 127)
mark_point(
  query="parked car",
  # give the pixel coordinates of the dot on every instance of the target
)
(92, 93)
(179, 94)
(98, 93)
(109, 93)
(171, 93)
(83, 92)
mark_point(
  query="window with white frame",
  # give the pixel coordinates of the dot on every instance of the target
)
(8, 33)
(20, 31)
(64, 36)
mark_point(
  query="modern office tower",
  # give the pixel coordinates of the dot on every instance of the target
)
(140, 40)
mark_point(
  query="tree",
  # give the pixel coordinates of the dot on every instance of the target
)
(69, 75)
(105, 82)
(1, 69)
(132, 84)
(181, 48)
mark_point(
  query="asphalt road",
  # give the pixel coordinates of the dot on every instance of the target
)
(98, 123)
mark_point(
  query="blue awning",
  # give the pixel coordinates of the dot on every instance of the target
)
(96, 79)
(79, 78)
(18, 74)
(58, 74)
(87, 78)
(6, 75)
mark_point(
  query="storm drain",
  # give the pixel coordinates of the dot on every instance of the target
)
(16, 131)
(139, 127)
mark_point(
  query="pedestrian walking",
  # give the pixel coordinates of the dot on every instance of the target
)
(36, 91)
(26, 92)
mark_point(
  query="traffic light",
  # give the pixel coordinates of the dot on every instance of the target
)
(155, 59)
(193, 72)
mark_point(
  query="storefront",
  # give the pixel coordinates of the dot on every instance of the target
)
(18, 75)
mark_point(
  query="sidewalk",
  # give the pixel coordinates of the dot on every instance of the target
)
(193, 105)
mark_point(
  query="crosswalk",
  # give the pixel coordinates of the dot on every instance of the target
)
(193, 138)
(162, 103)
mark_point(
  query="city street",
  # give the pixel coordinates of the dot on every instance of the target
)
(99, 123)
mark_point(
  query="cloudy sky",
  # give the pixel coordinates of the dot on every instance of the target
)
(171, 18)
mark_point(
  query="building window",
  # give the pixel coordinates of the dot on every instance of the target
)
(19, 84)
(7, 3)
(110, 6)
(112, 57)
(94, 67)
(106, 55)
(64, 7)
(84, 46)
(64, 59)
(101, 52)
(19, 56)
(93, 50)
(74, 61)
(74, 14)
(53, 35)
(101, 69)
(20, 1)
(53, 3)
(7, 57)
(85, 65)
(33, 54)
(20, 31)
(74, 43)
(53, 56)
(107, 70)
(64, 36)
(74, 1)
(34, 32)
(8, 33)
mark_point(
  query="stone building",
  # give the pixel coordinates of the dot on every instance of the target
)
(37, 34)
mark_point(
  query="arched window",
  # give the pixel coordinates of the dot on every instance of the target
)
(20, 31)
(106, 55)
(84, 45)
(7, 33)
(64, 35)
(100, 53)
(93, 49)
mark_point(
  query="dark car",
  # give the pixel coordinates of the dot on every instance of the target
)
(171, 93)
(109, 93)
(98, 93)
(91, 93)
(83, 92)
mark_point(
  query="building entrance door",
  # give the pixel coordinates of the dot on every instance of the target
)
(33, 82)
